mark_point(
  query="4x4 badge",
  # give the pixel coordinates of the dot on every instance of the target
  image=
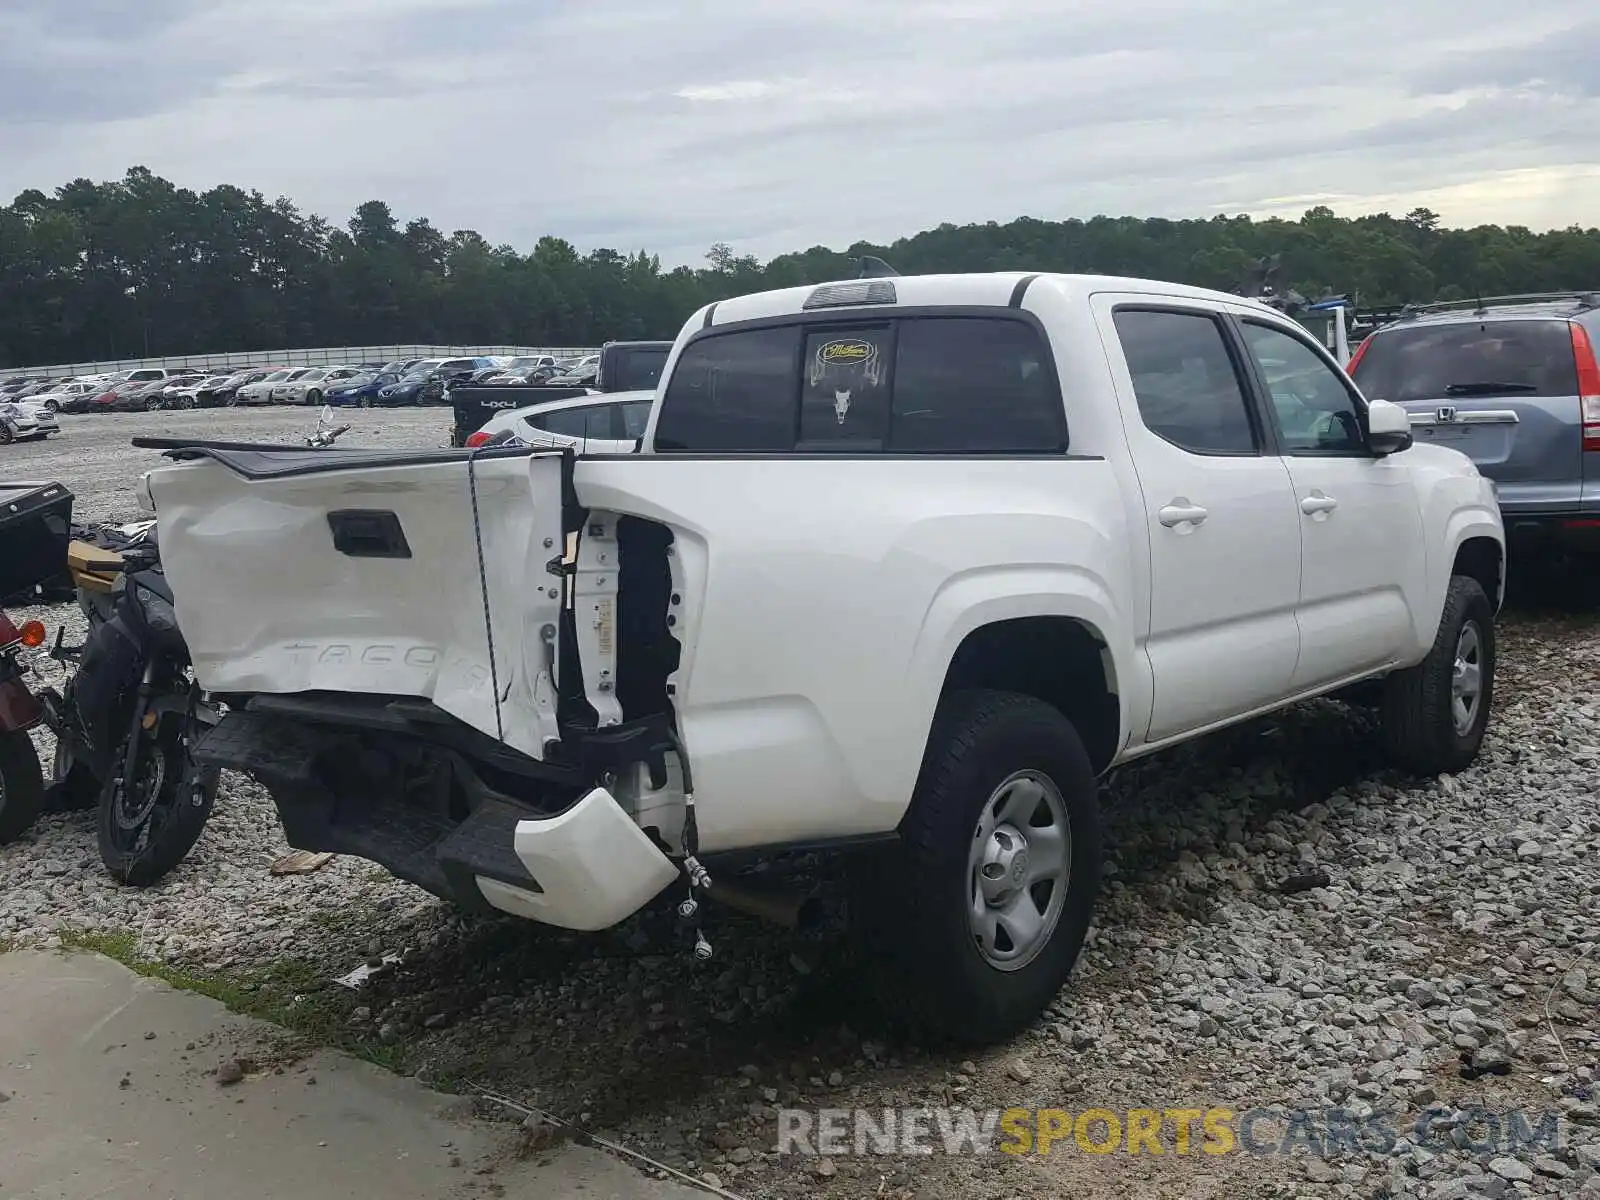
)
(1445, 414)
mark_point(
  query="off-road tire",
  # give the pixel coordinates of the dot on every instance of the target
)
(1419, 733)
(21, 785)
(909, 902)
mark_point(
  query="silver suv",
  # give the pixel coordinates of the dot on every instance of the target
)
(1514, 383)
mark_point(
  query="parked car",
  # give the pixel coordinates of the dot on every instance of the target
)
(425, 383)
(21, 420)
(224, 392)
(584, 375)
(186, 393)
(280, 390)
(611, 423)
(260, 392)
(1513, 382)
(360, 390)
(310, 386)
(58, 398)
(524, 365)
(134, 395)
(1071, 526)
(177, 392)
(152, 374)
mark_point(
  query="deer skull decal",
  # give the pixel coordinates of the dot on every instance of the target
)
(844, 365)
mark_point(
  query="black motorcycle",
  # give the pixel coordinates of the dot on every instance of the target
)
(126, 720)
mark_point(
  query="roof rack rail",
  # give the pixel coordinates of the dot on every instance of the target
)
(1584, 299)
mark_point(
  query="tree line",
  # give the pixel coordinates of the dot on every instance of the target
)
(139, 267)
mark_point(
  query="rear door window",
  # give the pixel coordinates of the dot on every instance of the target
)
(1467, 359)
(1185, 381)
(590, 421)
(635, 416)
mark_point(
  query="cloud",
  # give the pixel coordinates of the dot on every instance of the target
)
(638, 126)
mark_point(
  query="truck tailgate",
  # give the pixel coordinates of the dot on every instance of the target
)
(359, 571)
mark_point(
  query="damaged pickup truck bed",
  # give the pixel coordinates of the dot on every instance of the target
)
(906, 562)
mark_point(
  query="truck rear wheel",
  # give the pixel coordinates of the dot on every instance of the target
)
(975, 918)
(1436, 713)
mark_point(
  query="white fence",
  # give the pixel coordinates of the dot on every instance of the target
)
(318, 356)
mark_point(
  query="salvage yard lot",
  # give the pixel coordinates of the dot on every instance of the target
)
(1453, 912)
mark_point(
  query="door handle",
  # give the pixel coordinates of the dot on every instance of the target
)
(1317, 504)
(1179, 511)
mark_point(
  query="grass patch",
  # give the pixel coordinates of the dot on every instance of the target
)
(292, 993)
(7, 945)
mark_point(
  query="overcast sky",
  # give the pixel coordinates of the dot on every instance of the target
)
(647, 124)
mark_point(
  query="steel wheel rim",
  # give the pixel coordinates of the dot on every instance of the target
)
(1466, 679)
(1018, 870)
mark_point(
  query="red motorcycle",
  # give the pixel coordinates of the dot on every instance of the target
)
(21, 780)
(35, 525)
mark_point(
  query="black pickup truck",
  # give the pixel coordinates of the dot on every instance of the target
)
(623, 367)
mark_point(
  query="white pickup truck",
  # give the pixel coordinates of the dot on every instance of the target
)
(904, 564)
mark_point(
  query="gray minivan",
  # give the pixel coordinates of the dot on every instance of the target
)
(1512, 382)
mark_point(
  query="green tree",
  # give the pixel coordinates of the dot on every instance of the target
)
(106, 269)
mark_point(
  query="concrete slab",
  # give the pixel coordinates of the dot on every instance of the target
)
(92, 1105)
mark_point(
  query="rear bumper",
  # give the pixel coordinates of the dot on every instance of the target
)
(586, 867)
(1543, 533)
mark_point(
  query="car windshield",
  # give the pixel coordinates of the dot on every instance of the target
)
(1469, 358)
(357, 380)
(275, 377)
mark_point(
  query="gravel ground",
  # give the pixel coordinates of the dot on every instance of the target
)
(1456, 915)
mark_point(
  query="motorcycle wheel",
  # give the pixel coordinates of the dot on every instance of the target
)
(148, 826)
(21, 785)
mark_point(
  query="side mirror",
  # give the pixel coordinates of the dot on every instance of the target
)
(1388, 428)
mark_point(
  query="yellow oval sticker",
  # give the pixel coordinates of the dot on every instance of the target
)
(844, 352)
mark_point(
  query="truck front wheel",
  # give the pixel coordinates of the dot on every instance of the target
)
(975, 918)
(1436, 713)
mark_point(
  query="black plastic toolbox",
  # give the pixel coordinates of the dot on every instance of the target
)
(35, 526)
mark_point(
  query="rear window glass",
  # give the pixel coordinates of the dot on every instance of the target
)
(733, 391)
(844, 394)
(1465, 359)
(917, 385)
(637, 369)
(974, 384)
